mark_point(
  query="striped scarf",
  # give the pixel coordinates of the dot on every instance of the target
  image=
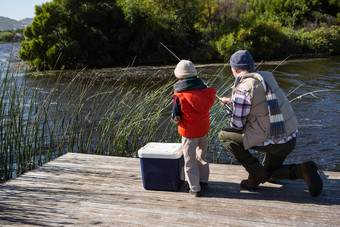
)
(277, 125)
(193, 83)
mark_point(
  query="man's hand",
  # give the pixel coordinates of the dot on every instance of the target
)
(225, 101)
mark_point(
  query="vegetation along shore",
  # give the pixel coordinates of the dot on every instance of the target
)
(76, 34)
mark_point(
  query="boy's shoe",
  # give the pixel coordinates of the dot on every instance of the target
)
(196, 194)
(312, 178)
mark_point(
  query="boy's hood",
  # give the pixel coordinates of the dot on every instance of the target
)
(202, 100)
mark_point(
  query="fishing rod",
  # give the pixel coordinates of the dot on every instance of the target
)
(170, 51)
(229, 110)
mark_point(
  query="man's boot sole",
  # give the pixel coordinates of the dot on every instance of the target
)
(313, 179)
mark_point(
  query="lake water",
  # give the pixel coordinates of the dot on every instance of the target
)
(318, 113)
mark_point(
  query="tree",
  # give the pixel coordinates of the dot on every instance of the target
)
(43, 37)
(76, 33)
(175, 21)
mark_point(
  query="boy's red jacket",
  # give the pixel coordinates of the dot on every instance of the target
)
(195, 106)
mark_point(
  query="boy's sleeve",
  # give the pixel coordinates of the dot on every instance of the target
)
(176, 108)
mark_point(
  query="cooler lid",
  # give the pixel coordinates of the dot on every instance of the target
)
(161, 150)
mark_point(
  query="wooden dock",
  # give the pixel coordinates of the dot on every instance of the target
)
(90, 190)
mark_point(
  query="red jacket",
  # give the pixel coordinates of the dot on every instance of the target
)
(195, 106)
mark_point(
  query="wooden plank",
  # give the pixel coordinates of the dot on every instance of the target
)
(78, 189)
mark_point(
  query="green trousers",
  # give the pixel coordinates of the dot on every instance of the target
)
(275, 154)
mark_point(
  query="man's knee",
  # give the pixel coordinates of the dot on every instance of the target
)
(222, 136)
(228, 134)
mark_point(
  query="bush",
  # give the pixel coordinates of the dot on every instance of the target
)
(322, 40)
(229, 44)
(326, 40)
(7, 36)
(298, 39)
(263, 40)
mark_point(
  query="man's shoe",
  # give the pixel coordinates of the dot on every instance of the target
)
(312, 178)
(204, 184)
(254, 180)
(196, 194)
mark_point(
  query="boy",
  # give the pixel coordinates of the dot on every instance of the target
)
(192, 102)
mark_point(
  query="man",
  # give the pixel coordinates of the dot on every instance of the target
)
(263, 120)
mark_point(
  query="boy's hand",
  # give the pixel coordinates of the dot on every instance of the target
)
(177, 119)
(225, 101)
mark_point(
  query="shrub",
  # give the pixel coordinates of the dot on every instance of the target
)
(6, 37)
(322, 40)
(299, 40)
(263, 40)
(326, 39)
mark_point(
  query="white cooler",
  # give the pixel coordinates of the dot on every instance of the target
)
(162, 166)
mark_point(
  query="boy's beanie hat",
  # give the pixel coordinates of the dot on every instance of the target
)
(185, 69)
(242, 60)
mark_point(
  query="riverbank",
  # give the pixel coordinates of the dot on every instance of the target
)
(161, 71)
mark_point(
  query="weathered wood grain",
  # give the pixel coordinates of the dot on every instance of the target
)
(88, 190)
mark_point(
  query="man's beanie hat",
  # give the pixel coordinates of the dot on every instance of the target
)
(242, 60)
(185, 69)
